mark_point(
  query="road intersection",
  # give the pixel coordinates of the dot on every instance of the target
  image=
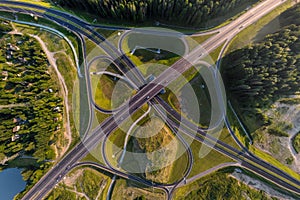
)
(148, 93)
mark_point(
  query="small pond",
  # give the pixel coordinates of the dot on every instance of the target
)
(11, 183)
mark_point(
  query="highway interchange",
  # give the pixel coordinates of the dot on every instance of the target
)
(148, 94)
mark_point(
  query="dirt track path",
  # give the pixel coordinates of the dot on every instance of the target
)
(52, 62)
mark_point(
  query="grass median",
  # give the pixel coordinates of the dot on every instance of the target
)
(148, 140)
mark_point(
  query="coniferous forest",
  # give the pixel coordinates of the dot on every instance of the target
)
(188, 12)
(260, 73)
(264, 71)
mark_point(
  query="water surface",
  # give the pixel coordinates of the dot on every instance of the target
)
(11, 183)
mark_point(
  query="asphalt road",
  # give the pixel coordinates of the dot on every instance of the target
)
(150, 91)
(175, 117)
(254, 164)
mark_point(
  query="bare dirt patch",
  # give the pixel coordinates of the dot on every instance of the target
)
(71, 179)
(259, 185)
(156, 140)
(281, 148)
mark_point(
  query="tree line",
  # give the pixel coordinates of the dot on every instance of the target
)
(188, 12)
(261, 73)
(265, 71)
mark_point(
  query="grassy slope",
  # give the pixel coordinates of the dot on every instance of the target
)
(116, 138)
(269, 159)
(218, 185)
(110, 94)
(179, 165)
(128, 190)
(212, 158)
(247, 35)
(162, 139)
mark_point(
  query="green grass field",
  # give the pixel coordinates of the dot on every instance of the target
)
(67, 68)
(26, 29)
(103, 92)
(203, 100)
(59, 45)
(150, 62)
(172, 44)
(212, 158)
(195, 40)
(115, 141)
(92, 50)
(115, 145)
(95, 155)
(194, 94)
(247, 35)
(108, 93)
(167, 149)
(126, 190)
(269, 159)
(214, 55)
